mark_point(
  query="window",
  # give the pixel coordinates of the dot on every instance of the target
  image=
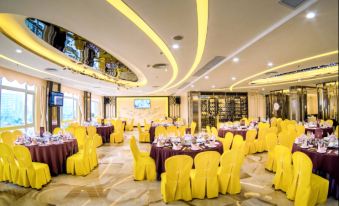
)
(95, 109)
(16, 105)
(70, 108)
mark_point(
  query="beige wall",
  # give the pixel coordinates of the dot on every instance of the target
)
(312, 104)
(256, 105)
(184, 108)
(125, 109)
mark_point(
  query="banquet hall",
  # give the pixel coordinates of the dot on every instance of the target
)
(169, 102)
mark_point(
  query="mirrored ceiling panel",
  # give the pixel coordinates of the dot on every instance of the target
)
(80, 49)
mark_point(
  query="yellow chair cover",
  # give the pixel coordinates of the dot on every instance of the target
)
(214, 131)
(228, 141)
(193, 126)
(118, 135)
(8, 166)
(160, 130)
(80, 134)
(92, 151)
(283, 175)
(92, 133)
(79, 163)
(33, 174)
(208, 130)
(229, 172)
(143, 164)
(175, 182)
(172, 130)
(182, 131)
(130, 125)
(292, 135)
(16, 134)
(336, 132)
(283, 139)
(271, 142)
(249, 142)
(57, 130)
(238, 143)
(306, 188)
(8, 138)
(204, 180)
(143, 136)
(300, 130)
(70, 130)
(329, 122)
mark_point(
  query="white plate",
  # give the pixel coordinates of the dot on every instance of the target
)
(321, 152)
(212, 146)
(195, 149)
(304, 147)
(160, 145)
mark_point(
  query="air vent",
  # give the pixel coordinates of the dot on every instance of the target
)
(271, 73)
(292, 3)
(211, 64)
(159, 66)
(51, 69)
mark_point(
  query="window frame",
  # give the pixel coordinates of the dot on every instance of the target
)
(75, 108)
(25, 126)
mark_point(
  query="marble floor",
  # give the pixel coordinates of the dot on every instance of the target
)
(111, 183)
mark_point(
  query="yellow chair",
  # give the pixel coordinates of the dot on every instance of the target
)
(306, 188)
(204, 180)
(143, 164)
(271, 142)
(118, 135)
(80, 135)
(33, 174)
(92, 133)
(182, 131)
(283, 175)
(147, 126)
(57, 130)
(79, 163)
(175, 182)
(300, 130)
(143, 136)
(228, 141)
(229, 172)
(129, 125)
(283, 139)
(8, 138)
(92, 152)
(160, 131)
(113, 121)
(336, 131)
(329, 122)
(172, 130)
(17, 134)
(291, 127)
(238, 142)
(208, 130)
(8, 166)
(70, 130)
(193, 126)
(107, 121)
(272, 130)
(249, 147)
(214, 131)
(292, 135)
(260, 142)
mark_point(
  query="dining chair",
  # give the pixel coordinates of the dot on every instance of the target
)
(271, 142)
(92, 152)
(30, 174)
(118, 135)
(17, 134)
(80, 135)
(208, 130)
(57, 130)
(8, 166)
(214, 131)
(306, 188)
(160, 130)
(146, 125)
(283, 139)
(143, 164)
(182, 131)
(92, 133)
(283, 176)
(249, 147)
(204, 180)
(300, 130)
(175, 182)
(260, 142)
(172, 130)
(79, 163)
(228, 141)
(193, 126)
(130, 125)
(229, 172)
(143, 135)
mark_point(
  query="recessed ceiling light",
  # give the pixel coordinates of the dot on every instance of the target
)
(310, 15)
(18, 51)
(270, 64)
(233, 78)
(175, 46)
(235, 59)
(166, 70)
(206, 77)
(213, 86)
(263, 89)
(192, 85)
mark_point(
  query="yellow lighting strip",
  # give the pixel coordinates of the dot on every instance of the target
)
(132, 16)
(284, 65)
(14, 28)
(202, 14)
(297, 75)
(277, 84)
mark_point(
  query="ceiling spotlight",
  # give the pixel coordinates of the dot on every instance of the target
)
(18, 51)
(235, 59)
(213, 86)
(206, 77)
(233, 78)
(310, 15)
(263, 89)
(192, 85)
(270, 64)
(175, 46)
(166, 70)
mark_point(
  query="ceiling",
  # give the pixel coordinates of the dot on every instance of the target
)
(256, 31)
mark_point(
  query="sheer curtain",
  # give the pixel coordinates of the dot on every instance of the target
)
(256, 105)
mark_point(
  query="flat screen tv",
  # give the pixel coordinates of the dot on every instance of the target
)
(56, 99)
(142, 103)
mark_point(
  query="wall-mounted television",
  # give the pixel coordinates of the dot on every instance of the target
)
(56, 99)
(142, 103)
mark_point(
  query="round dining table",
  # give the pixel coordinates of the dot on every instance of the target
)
(54, 154)
(152, 132)
(234, 131)
(325, 165)
(319, 132)
(160, 154)
(105, 132)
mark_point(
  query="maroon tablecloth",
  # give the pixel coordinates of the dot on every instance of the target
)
(152, 132)
(242, 132)
(105, 132)
(325, 165)
(55, 155)
(160, 154)
(320, 132)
